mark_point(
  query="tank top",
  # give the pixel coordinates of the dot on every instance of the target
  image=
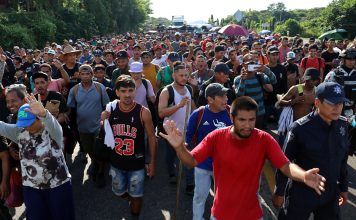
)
(179, 116)
(128, 130)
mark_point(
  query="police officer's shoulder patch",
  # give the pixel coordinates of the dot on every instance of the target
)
(303, 120)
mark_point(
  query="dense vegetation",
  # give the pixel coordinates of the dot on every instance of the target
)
(306, 22)
(31, 23)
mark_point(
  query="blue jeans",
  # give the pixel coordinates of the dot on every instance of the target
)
(131, 182)
(203, 180)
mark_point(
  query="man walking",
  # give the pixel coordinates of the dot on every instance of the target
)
(318, 139)
(89, 99)
(47, 187)
(201, 122)
(238, 154)
(128, 122)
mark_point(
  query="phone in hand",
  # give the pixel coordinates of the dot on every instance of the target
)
(253, 67)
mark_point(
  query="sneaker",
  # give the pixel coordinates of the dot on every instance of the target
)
(189, 190)
(100, 180)
(172, 179)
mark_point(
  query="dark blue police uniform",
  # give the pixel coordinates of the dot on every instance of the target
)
(313, 143)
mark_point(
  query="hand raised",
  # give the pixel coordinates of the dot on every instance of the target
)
(36, 106)
(174, 136)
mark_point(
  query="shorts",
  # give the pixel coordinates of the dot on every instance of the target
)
(87, 142)
(124, 181)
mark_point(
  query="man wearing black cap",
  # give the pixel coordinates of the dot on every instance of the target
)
(317, 140)
(280, 87)
(122, 64)
(345, 75)
(329, 55)
(218, 57)
(221, 75)
(301, 97)
(98, 54)
(201, 122)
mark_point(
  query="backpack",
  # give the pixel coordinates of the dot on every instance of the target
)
(151, 106)
(194, 140)
(304, 63)
(97, 86)
(170, 102)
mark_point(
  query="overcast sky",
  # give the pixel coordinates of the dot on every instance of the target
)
(194, 10)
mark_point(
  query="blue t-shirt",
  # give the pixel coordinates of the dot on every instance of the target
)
(210, 122)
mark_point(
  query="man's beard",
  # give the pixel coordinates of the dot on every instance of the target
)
(241, 135)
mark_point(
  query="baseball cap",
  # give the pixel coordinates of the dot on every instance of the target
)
(51, 52)
(137, 46)
(177, 33)
(219, 48)
(290, 55)
(24, 118)
(272, 50)
(215, 89)
(348, 54)
(222, 67)
(98, 53)
(136, 67)
(311, 73)
(122, 54)
(331, 92)
(173, 57)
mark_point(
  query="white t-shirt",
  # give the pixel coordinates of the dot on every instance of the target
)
(141, 93)
(162, 62)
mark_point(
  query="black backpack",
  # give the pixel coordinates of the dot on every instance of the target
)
(170, 102)
(151, 106)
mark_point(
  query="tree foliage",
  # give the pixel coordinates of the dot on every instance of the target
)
(49, 20)
(307, 22)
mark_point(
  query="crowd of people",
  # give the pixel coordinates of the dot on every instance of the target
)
(211, 98)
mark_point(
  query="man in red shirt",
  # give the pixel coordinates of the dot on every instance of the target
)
(313, 61)
(238, 154)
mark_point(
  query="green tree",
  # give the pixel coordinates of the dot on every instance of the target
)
(340, 14)
(291, 27)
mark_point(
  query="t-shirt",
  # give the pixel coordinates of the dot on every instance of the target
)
(162, 62)
(167, 76)
(281, 87)
(237, 168)
(210, 121)
(150, 72)
(252, 88)
(58, 97)
(141, 93)
(312, 62)
(328, 57)
(55, 85)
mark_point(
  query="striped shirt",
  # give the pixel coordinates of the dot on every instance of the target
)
(252, 88)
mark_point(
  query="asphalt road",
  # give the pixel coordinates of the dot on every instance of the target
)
(160, 196)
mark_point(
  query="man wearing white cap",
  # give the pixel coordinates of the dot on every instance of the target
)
(144, 89)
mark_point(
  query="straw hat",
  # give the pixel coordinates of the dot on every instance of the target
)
(68, 50)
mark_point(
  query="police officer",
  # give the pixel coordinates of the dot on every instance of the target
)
(345, 75)
(319, 139)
